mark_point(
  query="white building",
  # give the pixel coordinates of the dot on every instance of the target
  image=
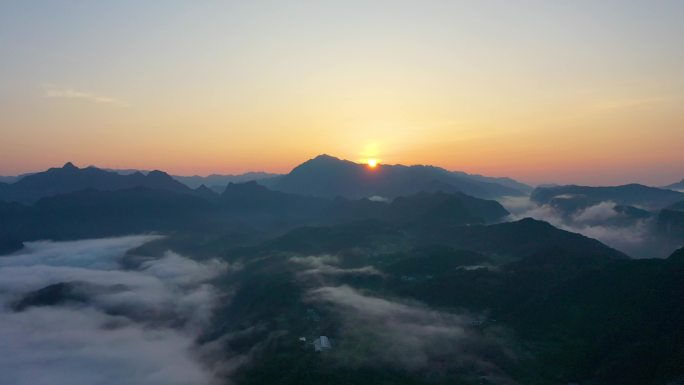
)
(322, 343)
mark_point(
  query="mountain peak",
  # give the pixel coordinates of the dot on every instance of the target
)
(325, 156)
(329, 176)
(325, 159)
(69, 166)
(159, 175)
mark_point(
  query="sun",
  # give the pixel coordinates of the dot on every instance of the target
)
(372, 163)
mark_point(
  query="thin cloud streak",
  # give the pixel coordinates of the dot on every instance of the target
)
(51, 91)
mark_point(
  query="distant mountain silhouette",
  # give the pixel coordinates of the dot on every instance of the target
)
(70, 178)
(250, 195)
(206, 193)
(8, 179)
(676, 186)
(328, 176)
(195, 181)
(574, 197)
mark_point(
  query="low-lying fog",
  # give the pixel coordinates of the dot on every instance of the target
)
(135, 326)
(636, 238)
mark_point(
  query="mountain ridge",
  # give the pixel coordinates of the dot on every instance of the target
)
(632, 194)
(69, 178)
(329, 176)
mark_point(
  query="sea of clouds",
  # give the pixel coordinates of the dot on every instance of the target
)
(134, 326)
(400, 333)
(637, 239)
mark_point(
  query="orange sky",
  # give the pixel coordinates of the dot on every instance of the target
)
(482, 87)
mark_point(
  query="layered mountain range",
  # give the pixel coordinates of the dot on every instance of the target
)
(416, 274)
(323, 176)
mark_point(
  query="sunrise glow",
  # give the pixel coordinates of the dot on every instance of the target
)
(326, 192)
(243, 86)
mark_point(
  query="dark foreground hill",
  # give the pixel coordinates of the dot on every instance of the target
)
(617, 325)
(567, 308)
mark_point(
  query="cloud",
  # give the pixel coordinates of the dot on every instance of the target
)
(96, 254)
(314, 261)
(378, 331)
(139, 324)
(325, 265)
(378, 198)
(599, 221)
(596, 214)
(83, 347)
(70, 93)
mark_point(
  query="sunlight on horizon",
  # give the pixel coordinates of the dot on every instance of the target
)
(372, 163)
(228, 87)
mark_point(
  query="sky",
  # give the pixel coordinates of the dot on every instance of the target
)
(587, 92)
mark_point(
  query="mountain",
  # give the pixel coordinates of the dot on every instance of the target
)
(445, 209)
(670, 223)
(195, 181)
(8, 179)
(93, 213)
(571, 198)
(206, 193)
(677, 206)
(434, 208)
(676, 186)
(9, 244)
(677, 256)
(54, 294)
(251, 195)
(620, 324)
(70, 178)
(327, 176)
(524, 238)
(323, 176)
(257, 205)
(504, 181)
(426, 275)
(502, 243)
(539, 287)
